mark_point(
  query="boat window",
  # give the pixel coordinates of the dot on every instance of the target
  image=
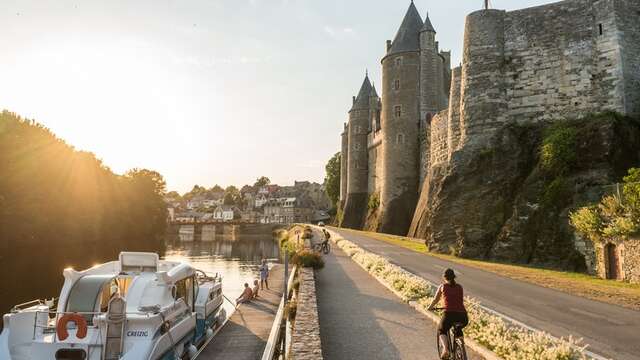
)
(71, 354)
(85, 294)
(119, 285)
(184, 290)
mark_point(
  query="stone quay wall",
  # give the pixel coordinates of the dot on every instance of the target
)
(305, 339)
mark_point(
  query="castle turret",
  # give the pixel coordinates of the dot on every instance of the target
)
(357, 162)
(400, 117)
(484, 105)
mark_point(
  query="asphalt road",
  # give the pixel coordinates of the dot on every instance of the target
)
(360, 319)
(610, 330)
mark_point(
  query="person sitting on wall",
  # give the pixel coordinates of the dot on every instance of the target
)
(246, 296)
(256, 287)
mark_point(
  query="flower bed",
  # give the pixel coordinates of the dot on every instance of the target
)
(506, 340)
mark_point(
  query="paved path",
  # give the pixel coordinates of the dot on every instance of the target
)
(361, 319)
(610, 330)
(246, 333)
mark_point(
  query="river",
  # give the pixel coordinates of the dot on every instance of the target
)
(37, 273)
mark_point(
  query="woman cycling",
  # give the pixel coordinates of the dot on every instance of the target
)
(454, 310)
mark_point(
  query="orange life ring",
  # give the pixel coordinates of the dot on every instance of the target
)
(79, 320)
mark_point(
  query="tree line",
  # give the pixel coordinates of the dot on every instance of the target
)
(54, 195)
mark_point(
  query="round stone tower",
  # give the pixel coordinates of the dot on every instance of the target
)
(400, 119)
(344, 154)
(355, 207)
(483, 91)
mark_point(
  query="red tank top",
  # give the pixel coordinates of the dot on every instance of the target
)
(453, 298)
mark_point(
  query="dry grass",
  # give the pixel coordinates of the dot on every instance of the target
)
(608, 291)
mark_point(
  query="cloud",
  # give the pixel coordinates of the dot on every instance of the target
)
(339, 33)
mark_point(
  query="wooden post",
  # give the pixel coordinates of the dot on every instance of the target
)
(486, 4)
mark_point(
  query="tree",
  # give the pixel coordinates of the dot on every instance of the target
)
(332, 178)
(262, 181)
(232, 196)
(216, 189)
(614, 216)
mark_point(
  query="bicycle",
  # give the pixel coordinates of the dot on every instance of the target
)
(457, 349)
(323, 247)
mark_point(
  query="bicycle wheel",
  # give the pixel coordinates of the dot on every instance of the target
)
(327, 249)
(460, 352)
(440, 349)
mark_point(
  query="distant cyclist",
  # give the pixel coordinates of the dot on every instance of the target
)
(454, 310)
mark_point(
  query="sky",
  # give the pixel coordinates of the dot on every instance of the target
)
(205, 91)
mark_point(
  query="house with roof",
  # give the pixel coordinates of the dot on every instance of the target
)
(226, 213)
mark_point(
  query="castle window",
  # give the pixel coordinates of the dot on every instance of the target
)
(358, 129)
(356, 146)
(397, 111)
(400, 139)
(601, 28)
(398, 61)
(396, 85)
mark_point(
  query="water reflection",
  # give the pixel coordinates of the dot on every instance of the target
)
(236, 258)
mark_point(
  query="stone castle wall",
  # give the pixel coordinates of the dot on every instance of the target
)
(453, 133)
(628, 21)
(439, 138)
(375, 161)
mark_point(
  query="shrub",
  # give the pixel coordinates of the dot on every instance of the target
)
(291, 309)
(374, 202)
(558, 152)
(613, 217)
(308, 258)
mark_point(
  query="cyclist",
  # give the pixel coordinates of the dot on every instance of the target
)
(327, 236)
(454, 310)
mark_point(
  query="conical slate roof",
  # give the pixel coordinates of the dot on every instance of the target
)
(362, 100)
(427, 25)
(408, 36)
(373, 92)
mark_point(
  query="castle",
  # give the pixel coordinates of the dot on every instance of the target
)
(566, 59)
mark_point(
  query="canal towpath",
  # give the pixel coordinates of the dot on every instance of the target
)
(245, 335)
(361, 319)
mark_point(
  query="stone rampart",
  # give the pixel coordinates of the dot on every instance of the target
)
(305, 339)
(453, 133)
(628, 21)
(439, 138)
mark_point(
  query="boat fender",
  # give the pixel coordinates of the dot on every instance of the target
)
(79, 320)
(192, 350)
(209, 333)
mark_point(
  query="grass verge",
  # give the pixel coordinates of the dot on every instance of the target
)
(591, 287)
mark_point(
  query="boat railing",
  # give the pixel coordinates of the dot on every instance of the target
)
(49, 326)
(28, 304)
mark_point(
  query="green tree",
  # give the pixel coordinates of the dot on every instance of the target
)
(332, 179)
(217, 188)
(262, 181)
(232, 196)
(613, 217)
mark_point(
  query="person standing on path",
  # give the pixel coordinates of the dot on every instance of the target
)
(264, 275)
(454, 310)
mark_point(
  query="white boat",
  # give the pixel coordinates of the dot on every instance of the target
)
(139, 307)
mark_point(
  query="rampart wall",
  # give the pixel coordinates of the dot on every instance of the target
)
(439, 138)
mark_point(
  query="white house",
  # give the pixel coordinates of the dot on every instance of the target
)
(226, 213)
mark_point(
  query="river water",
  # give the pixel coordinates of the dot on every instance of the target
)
(37, 273)
(237, 258)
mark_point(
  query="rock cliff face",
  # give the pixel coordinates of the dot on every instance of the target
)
(499, 199)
